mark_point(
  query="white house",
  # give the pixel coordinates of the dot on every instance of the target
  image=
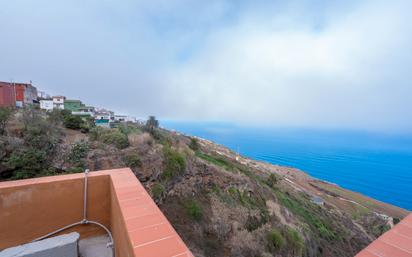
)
(84, 111)
(58, 102)
(124, 118)
(46, 105)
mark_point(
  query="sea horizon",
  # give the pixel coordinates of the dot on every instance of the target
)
(378, 165)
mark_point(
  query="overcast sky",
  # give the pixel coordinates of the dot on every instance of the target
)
(327, 64)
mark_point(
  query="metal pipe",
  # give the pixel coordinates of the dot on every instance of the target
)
(57, 231)
(84, 221)
(85, 195)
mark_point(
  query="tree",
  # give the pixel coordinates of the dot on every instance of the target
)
(194, 144)
(73, 122)
(5, 114)
(152, 124)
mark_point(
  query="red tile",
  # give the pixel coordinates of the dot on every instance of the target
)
(128, 194)
(366, 253)
(168, 247)
(404, 231)
(385, 250)
(407, 221)
(139, 211)
(151, 234)
(397, 240)
(134, 202)
(144, 221)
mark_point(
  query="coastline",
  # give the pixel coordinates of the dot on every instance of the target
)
(332, 193)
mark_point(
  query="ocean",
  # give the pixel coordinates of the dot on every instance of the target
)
(376, 165)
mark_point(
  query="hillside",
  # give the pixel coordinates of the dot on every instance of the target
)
(220, 203)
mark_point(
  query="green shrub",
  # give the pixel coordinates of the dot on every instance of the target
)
(396, 220)
(78, 154)
(272, 180)
(96, 132)
(5, 114)
(73, 122)
(275, 240)
(175, 163)
(295, 241)
(127, 129)
(115, 137)
(75, 170)
(110, 136)
(132, 160)
(194, 144)
(158, 190)
(87, 125)
(194, 210)
(38, 133)
(27, 163)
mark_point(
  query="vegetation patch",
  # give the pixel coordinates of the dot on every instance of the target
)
(158, 190)
(194, 144)
(295, 241)
(127, 129)
(27, 163)
(216, 160)
(275, 240)
(311, 216)
(133, 160)
(193, 209)
(78, 154)
(175, 163)
(5, 114)
(73, 122)
(272, 180)
(110, 136)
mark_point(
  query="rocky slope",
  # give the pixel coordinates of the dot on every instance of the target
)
(220, 203)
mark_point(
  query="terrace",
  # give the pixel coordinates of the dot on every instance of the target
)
(114, 199)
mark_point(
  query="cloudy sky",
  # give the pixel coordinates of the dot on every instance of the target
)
(327, 64)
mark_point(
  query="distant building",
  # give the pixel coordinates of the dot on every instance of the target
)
(58, 102)
(73, 105)
(25, 94)
(46, 105)
(17, 94)
(124, 118)
(317, 200)
(7, 95)
(84, 111)
(104, 118)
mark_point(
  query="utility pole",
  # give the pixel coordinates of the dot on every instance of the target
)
(14, 89)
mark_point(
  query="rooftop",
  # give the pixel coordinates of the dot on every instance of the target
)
(397, 242)
(32, 208)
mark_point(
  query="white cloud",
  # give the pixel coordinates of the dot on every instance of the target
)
(351, 73)
(298, 63)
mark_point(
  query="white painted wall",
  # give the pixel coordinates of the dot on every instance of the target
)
(46, 105)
